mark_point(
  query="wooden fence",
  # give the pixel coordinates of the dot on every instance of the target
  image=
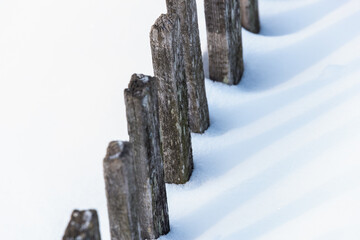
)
(161, 112)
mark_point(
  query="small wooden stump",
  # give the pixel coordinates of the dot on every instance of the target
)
(120, 183)
(198, 108)
(83, 225)
(223, 25)
(250, 15)
(143, 128)
(168, 63)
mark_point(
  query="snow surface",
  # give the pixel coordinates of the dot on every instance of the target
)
(280, 161)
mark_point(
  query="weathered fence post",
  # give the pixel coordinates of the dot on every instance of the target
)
(143, 128)
(198, 108)
(223, 25)
(250, 15)
(167, 56)
(121, 190)
(83, 225)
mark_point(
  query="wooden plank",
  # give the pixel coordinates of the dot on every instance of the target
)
(121, 190)
(223, 25)
(143, 128)
(168, 64)
(199, 119)
(250, 15)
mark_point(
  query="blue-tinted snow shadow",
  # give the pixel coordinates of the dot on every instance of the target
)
(333, 188)
(213, 211)
(305, 54)
(251, 111)
(244, 149)
(267, 70)
(288, 22)
(294, 20)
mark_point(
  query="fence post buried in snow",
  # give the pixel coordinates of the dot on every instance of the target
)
(83, 225)
(223, 25)
(168, 63)
(143, 127)
(121, 189)
(250, 15)
(198, 107)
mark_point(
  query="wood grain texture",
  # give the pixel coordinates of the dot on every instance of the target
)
(169, 69)
(223, 25)
(143, 128)
(199, 119)
(83, 225)
(250, 15)
(121, 190)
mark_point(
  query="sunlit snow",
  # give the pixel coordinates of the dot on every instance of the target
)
(281, 159)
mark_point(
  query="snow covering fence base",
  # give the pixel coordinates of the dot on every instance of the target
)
(168, 64)
(143, 128)
(83, 225)
(120, 183)
(223, 25)
(250, 15)
(198, 108)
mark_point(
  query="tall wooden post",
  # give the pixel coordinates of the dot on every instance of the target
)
(223, 25)
(83, 225)
(121, 190)
(250, 15)
(143, 128)
(198, 108)
(168, 63)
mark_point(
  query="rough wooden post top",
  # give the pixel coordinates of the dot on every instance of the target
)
(138, 85)
(164, 21)
(121, 188)
(83, 225)
(163, 25)
(250, 15)
(117, 149)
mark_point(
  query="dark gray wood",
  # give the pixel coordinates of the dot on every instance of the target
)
(121, 190)
(143, 128)
(250, 15)
(223, 25)
(168, 64)
(83, 225)
(199, 119)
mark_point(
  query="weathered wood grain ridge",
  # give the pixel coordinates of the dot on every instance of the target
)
(250, 15)
(223, 25)
(83, 225)
(143, 128)
(198, 108)
(121, 190)
(168, 64)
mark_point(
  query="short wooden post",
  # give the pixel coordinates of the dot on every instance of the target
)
(168, 64)
(250, 15)
(198, 108)
(223, 25)
(143, 128)
(83, 225)
(121, 190)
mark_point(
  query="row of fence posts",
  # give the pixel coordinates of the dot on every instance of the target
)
(161, 112)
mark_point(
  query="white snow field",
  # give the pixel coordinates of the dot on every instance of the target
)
(281, 159)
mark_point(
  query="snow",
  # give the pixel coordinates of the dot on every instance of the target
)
(87, 220)
(121, 148)
(143, 78)
(280, 160)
